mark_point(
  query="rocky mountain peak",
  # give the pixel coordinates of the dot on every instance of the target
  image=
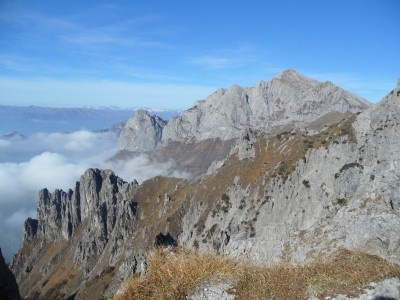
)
(289, 98)
(294, 78)
(60, 213)
(235, 89)
(389, 105)
(141, 133)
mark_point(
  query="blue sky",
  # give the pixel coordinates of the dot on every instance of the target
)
(168, 54)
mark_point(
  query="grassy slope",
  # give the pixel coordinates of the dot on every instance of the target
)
(175, 274)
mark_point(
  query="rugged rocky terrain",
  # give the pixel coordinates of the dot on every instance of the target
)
(318, 173)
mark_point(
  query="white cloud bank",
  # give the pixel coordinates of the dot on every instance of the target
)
(57, 161)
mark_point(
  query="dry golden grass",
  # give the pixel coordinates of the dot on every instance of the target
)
(344, 272)
(174, 276)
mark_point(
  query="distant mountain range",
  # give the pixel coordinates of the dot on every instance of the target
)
(30, 119)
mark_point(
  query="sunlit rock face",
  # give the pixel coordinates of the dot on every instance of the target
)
(141, 133)
(288, 98)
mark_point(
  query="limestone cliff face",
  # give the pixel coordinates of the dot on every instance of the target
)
(8, 285)
(97, 208)
(141, 133)
(98, 198)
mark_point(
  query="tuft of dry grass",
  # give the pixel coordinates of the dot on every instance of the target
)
(174, 275)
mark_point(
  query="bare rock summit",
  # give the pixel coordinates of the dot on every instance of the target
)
(289, 98)
(141, 133)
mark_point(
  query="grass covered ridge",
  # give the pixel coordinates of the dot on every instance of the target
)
(174, 275)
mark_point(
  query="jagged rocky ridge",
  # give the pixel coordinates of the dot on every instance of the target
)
(293, 195)
(289, 98)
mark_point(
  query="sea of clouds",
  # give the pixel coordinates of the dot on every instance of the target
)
(57, 160)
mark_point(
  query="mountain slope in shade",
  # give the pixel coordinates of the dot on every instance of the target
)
(8, 285)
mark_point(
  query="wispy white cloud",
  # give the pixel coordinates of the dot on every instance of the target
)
(127, 33)
(226, 58)
(84, 45)
(15, 62)
(95, 38)
(31, 66)
(97, 31)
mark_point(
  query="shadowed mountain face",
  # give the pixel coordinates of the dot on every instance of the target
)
(8, 285)
(306, 188)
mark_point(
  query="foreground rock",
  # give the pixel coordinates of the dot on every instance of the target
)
(8, 286)
(208, 291)
(385, 290)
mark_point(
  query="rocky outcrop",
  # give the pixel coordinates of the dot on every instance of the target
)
(288, 98)
(8, 285)
(98, 198)
(245, 145)
(141, 132)
(97, 211)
